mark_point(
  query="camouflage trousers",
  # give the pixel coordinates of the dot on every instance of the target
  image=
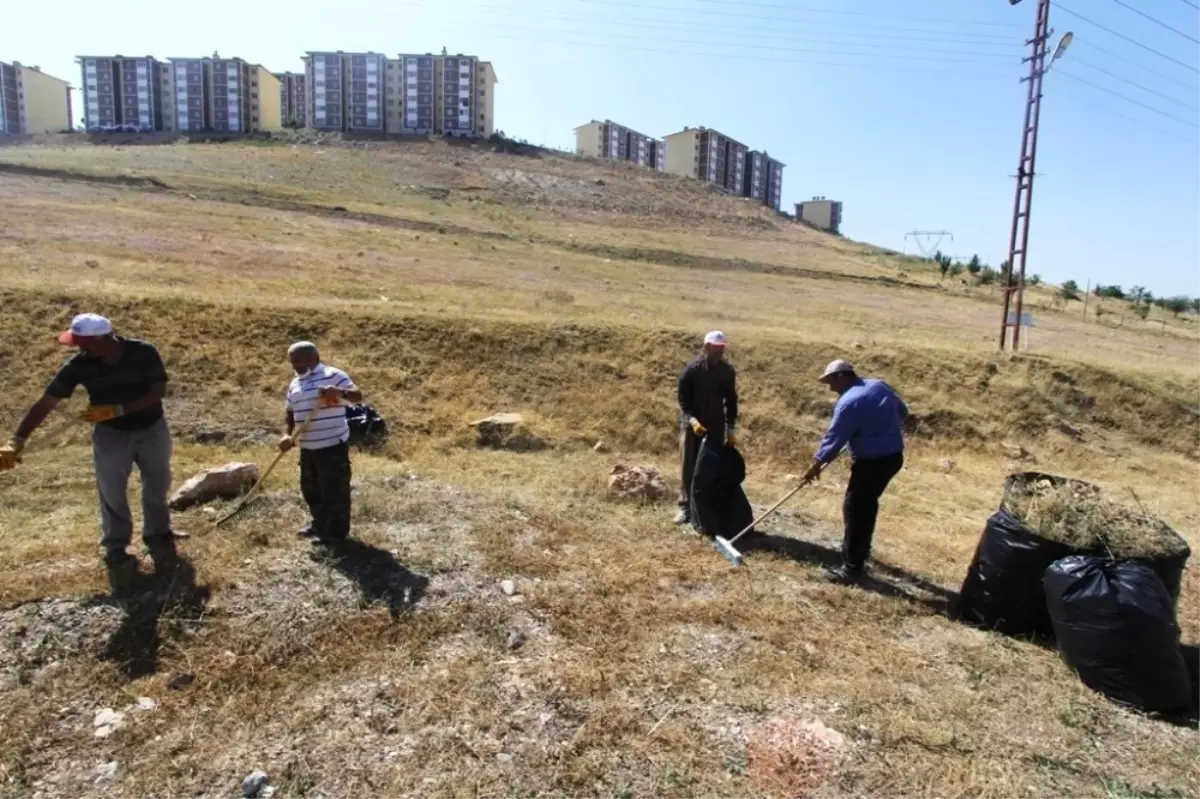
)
(325, 484)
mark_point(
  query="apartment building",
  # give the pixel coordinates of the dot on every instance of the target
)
(658, 155)
(32, 101)
(450, 95)
(124, 91)
(821, 213)
(346, 91)
(292, 105)
(609, 140)
(706, 154)
(763, 180)
(190, 78)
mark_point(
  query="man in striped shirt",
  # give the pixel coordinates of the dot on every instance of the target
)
(320, 391)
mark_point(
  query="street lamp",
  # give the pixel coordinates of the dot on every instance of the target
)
(1022, 204)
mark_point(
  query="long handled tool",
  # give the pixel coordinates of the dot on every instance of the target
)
(245, 500)
(726, 548)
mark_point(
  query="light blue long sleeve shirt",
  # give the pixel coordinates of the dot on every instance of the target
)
(867, 419)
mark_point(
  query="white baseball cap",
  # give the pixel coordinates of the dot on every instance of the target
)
(714, 338)
(836, 368)
(86, 325)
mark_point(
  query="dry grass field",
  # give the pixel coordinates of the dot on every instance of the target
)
(629, 659)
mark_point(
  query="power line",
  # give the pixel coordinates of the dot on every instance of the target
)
(1158, 53)
(775, 19)
(1105, 110)
(1193, 5)
(791, 7)
(974, 56)
(1093, 46)
(1146, 89)
(1158, 22)
(1064, 73)
(761, 32)
(608, 45)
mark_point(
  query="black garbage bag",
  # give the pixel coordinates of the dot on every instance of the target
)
(368, 429)
(1003, 587)
(1115, 625)
(719, 505)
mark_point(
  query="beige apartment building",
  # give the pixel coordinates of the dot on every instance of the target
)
(821, 213)
(32, 101)
(125, 92)
(706, 154)
(447, 95)
(616, 142)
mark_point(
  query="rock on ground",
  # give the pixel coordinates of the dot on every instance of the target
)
(506, 431)
(637, 482)
(224, 482)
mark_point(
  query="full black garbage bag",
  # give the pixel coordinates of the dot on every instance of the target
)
(1115, 625)
(1003, 587)
(368, 429)
(719, 505)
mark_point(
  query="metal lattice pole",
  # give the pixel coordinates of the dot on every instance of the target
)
(1022, 203)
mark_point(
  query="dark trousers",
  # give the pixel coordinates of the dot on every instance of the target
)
(325, 484)
(868, 480)
(689, 449)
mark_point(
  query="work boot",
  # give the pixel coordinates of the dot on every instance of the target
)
(682, 516)
(165, 557)
(844, 575)
(122, 571)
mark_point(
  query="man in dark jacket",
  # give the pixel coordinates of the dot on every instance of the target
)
(708, 405)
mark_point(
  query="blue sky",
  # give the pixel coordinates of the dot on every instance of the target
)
(909, 113)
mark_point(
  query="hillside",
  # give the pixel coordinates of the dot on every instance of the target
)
(453, 282)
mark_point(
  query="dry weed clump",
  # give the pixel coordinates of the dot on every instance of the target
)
(791, 757)
(1076, 514)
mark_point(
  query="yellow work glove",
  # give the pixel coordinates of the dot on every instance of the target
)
(10, 454)
(101, 413)
(697, 428)
(331, 396)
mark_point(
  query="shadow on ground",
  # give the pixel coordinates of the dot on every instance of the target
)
(882, 578)
(156, 607)
(381, 579)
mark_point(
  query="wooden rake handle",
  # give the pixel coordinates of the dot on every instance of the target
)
(769, 511)
(296, 435)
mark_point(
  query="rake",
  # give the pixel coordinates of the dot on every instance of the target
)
(726, 547)
(245, 500)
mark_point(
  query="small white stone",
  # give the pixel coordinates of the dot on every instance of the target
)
(508, 587)
(146, 703)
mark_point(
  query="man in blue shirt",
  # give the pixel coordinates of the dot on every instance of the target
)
(867, 419)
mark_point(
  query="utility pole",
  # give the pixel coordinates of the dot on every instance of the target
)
(1086, 292)
(1022, 204)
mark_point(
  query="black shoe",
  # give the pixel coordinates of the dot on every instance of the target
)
(843, 575)
(164, 555)
(122, 571)
(324, 548)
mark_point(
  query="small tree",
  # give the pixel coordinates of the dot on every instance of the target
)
(974, 265)
(1196, 305)
(943, 263)
(956, 270)
(1142, 311)
(1113, 292)
(987, 275)
(1137, 293)
(1035, 280)
(1069, 290)
(1177, 305)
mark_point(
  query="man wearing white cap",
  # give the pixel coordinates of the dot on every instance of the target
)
(867, 419)
(708, 404)
(125, 381)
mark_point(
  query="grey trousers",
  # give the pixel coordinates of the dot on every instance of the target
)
(115, 453)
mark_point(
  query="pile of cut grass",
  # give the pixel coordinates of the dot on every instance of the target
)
(1078, 515)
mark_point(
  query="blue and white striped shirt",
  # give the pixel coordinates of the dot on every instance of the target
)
(329, 426)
